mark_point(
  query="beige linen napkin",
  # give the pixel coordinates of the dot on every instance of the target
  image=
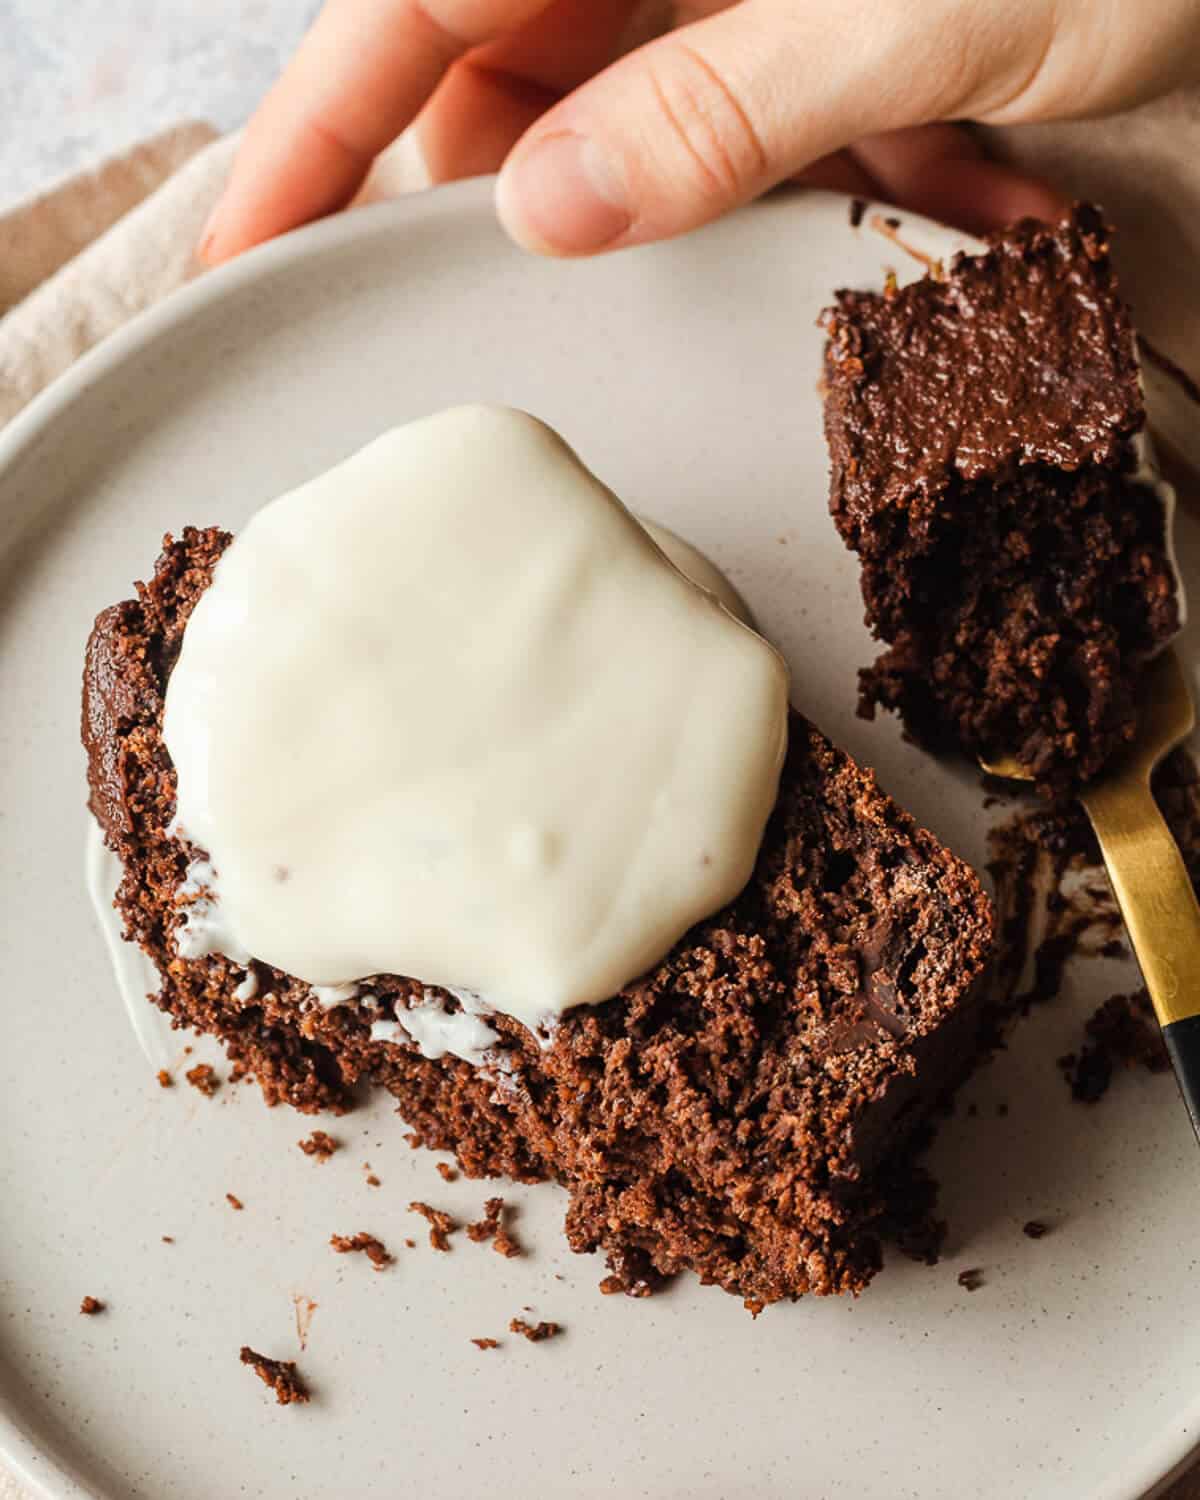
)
(84, 258)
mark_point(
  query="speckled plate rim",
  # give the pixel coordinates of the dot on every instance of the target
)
(1146, 1475)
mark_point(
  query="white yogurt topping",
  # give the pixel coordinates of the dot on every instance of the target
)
(446, 711)
(437, 1031)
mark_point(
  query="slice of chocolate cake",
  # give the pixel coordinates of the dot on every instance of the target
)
(991, 470)
(745, 1109)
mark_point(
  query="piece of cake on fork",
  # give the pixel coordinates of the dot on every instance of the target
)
(992, 470)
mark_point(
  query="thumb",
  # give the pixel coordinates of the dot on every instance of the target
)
(713, 114)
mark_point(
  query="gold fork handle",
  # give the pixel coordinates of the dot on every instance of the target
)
(1162, 916)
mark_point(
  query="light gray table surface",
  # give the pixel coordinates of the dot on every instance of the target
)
(81, 79)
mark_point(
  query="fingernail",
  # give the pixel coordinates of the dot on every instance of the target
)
(563, 195)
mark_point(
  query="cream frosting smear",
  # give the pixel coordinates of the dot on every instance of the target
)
(447, 711)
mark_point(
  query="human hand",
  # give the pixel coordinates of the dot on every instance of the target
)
(596, 155)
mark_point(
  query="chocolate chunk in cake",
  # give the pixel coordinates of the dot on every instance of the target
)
(984, 429)
(745, 1109)
(280, 1374)
(90, 1306)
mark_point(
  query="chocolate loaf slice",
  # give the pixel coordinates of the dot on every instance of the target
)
(985, 429)
(742, 1110)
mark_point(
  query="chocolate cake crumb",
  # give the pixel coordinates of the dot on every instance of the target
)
(504, 1243)
(1122, 1030)
(367, 1244)
(446, 1172)
(372, 1180)
(971, 1279)
(234, 1202)
(319, 1145)
(280, 1374)
(441, 1225)
(486, 1343)
(412, 1244)
(203, 1078)
(168, 1239)
(1114, 948)
(485, 1228)
(858, 207)
(534, 1332)
(165, 1081)
(492, 1227)
(90, 1306)
(1034, 1229)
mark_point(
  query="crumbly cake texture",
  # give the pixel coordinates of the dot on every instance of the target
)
(979, 426)
(280, 1375)
(745, 1110)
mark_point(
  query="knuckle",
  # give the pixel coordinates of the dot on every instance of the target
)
(711, 128)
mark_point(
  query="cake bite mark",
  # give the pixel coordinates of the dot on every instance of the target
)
(536, 1333)
(491, 1227)
(319, 1145)
(441, 1225)
(90, 1306)
(203, 1077)
(281, 1375)
(303, 1307)
(366, 1244)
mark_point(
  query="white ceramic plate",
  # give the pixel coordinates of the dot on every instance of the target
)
(686, 376)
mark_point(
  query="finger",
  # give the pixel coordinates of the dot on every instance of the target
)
(840, 173)
(716, 112)
(491, 96)
(358, 79)
(941, 171)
